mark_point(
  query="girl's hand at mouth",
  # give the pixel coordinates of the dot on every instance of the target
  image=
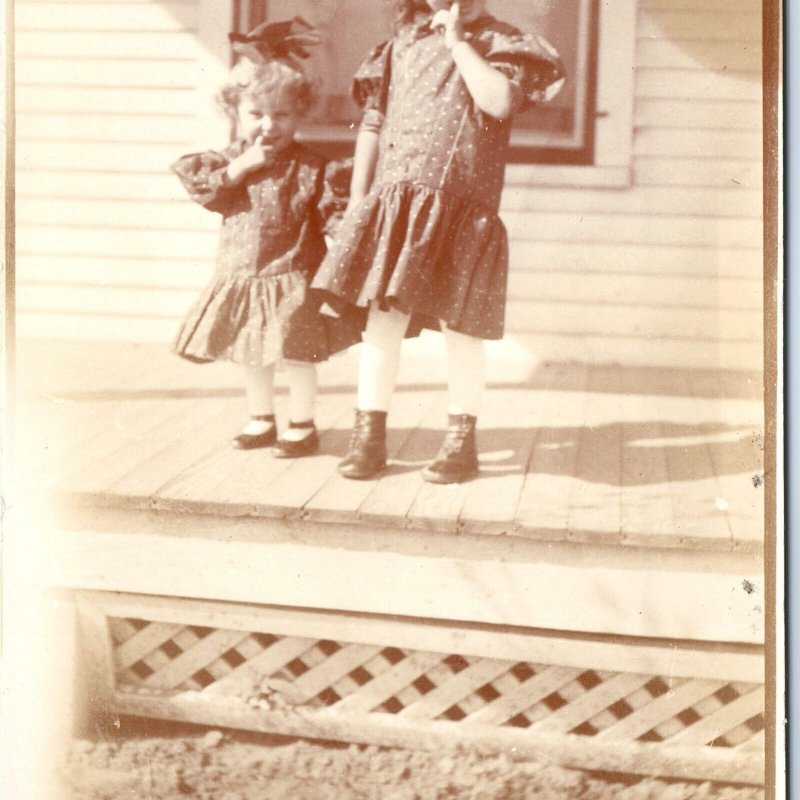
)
(257, 155)
(451, 20)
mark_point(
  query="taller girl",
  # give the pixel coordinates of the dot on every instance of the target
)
(421, 237)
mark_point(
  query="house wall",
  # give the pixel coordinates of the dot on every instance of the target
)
(109, 94)
(669, 269)
(664, 271)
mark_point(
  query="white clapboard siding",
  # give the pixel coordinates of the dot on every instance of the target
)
(676, 21)
(633, 229)
(589, 288)
(697, 114)
(106, 17)
(130, 270)
(697, 143)
(665, 271)
(680, 353)
(638, 259)
(106, 100)
(113, 156)
(112, 242)
(126, 43)
(107, 97)
(652, 320)
(696, 5)
(720, 172)
(163, 303)
(95, 326)
(727, 85)
(173, 129)
(167, 216)
(674, 262)
(86, 185)
(730, 201)
(130, 72)
(703, 54)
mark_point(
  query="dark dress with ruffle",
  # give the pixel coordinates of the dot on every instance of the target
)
(427, 238)
(258, 309)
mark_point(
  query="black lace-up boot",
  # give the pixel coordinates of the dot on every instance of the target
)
(457, 459)
(366, 456)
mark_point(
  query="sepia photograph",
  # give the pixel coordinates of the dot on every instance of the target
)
(464, 481)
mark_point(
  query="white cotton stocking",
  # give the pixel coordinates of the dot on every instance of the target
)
(302, 381)
(260, 392)
(466, 372)
(380, 358)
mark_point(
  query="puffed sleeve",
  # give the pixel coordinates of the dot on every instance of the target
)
(335, 194)
(531, 64)
(370, 87)
(204, 176)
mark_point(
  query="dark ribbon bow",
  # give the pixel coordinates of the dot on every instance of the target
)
(276, 40)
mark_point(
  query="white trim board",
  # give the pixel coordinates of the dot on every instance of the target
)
(593, 590)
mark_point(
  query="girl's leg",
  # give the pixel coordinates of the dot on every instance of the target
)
(377, 373)
(457, 459)
(466, 372)
(302, 380)
(380, 358)
(259, 390)
(300, 437)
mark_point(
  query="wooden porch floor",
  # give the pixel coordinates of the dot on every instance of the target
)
(601, 454)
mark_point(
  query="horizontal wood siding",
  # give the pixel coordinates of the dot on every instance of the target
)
(108, 95)
(666, 271)
(669, 270)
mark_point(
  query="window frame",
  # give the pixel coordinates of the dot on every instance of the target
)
(613, 104)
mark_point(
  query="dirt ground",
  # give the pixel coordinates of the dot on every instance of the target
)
(157, 762)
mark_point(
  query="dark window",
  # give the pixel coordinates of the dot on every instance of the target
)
(560, 131)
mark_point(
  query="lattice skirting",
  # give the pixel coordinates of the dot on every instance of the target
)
(652, 708)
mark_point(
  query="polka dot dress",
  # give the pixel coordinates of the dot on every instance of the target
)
(427, 238)
(258, 308)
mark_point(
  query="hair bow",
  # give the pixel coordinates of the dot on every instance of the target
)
(276, 40)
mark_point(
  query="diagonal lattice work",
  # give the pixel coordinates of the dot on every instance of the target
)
(278, 672)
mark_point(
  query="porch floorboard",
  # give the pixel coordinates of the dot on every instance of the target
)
(601, 454)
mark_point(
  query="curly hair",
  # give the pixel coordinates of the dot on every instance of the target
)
(275, 78)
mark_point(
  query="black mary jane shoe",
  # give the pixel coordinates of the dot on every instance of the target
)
(291, 448)
(249, 441)
(254, 441)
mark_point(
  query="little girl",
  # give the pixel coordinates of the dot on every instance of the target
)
(275, 197)
(421, 236)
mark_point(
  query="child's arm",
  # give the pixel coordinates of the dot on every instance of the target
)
(370, 91)
(254, 157)
(203, 175)
(490, 89)
(364, 161)
(213, 179)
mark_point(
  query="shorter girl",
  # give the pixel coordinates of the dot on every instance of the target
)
(276, 198)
